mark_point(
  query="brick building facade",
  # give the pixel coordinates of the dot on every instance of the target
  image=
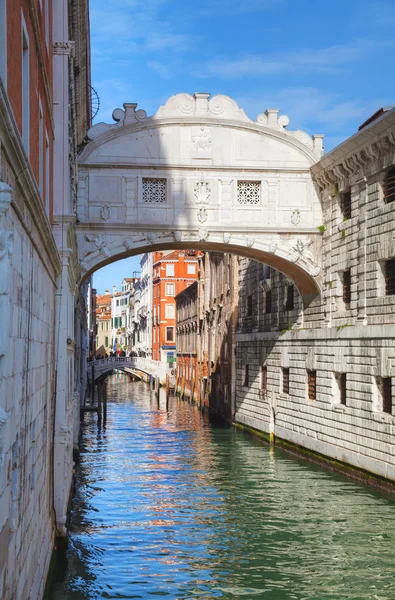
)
(187, 313)
(173, 271)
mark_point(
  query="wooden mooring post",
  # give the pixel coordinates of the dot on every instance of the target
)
(99, 401)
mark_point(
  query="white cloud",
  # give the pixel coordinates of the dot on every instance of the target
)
(232, 7)
(311, 60)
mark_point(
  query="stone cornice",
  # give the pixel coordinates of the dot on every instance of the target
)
(111, 132)
(41, 62)
(355, 155)
(13, 148)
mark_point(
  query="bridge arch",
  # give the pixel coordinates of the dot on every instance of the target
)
(201, 174)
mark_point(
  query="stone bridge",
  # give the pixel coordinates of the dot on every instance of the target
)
(201, 174)
(128, 364)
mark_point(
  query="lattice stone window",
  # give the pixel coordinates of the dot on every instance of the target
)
(154, 190)
(248, 192)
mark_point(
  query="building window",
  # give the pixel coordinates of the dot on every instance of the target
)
(385, 388)
(289, 298)
(25, 91)
(47, 22)
(169, 334)
(312, 384)
(169, 270)
(389, 185)
(191, 269)
(245, 375)
(170, 311)
(343, 388)
(264, 380)
(249, 305)
(154, 190)
(345, 204)
(169, 289)
(268, 302)
(106, 341)
(285, 372)
(248, 192)
(389, 276)
(347, 289)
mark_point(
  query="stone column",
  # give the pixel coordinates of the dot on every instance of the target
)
(63, 447)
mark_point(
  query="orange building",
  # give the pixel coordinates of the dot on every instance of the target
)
(103, 321)
(173, 271)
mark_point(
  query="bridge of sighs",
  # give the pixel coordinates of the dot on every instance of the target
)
(201, 174)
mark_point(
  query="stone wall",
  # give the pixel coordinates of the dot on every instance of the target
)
(26, 401)
(337, 355)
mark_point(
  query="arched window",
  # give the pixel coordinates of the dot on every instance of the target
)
(389, 185)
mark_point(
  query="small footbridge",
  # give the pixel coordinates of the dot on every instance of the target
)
(135, 365)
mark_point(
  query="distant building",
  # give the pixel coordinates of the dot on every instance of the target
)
(119, 312)
(187, 311)
(103, 321)
(218, 312)
(142, 330)
(173, 271)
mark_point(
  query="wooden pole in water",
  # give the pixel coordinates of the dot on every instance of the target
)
(105, 401)
(99, 401)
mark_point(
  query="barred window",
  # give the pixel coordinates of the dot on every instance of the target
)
(347, 289)
(248, 192)
(386, 391)
(249, 305)
(343, 388)
(345, 204)
(268, 302)
(264, 380)
(154, 190)
(389, 186)
(286, 381)
(245, 375)
(389, 274)
(312, 384)
(289, 301)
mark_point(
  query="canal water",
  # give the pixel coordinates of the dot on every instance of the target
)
(169, 504)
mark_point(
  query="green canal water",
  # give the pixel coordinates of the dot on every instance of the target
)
(169, 504)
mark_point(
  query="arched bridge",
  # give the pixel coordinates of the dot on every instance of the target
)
(201, 174)
(132, 364)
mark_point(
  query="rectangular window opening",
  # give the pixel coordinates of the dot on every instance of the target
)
(347, 289)
(285, 373)
(268, 302)
(389, 276)
(289, 301)
(312, 384)
(345, 204)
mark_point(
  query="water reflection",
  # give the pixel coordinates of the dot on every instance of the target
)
(169, 505)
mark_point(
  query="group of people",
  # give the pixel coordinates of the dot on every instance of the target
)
(113, 354)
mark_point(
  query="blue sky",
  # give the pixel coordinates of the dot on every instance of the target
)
(327, 65)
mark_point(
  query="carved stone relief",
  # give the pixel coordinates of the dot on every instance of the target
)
(202, 192)
(201, 142)
(202, 215)
(203, 234)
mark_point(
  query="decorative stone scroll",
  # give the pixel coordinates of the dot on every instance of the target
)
(65, 48)
(6, 250)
